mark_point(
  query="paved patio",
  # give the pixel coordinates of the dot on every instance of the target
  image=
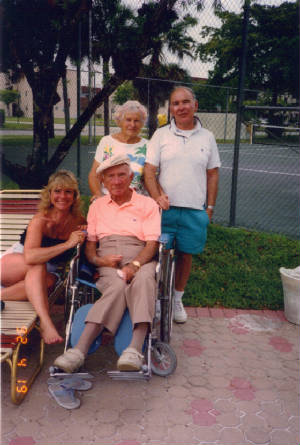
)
(237, 382)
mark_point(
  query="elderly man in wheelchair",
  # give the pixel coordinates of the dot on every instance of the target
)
(122, 242)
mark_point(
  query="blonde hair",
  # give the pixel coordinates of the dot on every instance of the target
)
(131, 106)
(65, 179)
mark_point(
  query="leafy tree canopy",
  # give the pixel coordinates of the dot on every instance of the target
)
(9, 96)
(39, 37)
(273, 49)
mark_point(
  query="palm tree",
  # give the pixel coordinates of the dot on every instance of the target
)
(177, 42)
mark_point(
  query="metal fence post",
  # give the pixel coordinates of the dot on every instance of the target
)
(78, 96)
(239, 114)
(226, 115)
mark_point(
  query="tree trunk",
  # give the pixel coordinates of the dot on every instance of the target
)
(66, 103)
(41, 118)
(106, 100)
(51, 133)
(153, 111)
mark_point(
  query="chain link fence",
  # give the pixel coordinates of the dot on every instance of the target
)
(268, 168)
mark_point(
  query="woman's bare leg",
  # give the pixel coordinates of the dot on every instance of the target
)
(37, 292)
(13, 271)
(13, 268)
(16, 292)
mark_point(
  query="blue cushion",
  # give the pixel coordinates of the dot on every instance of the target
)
(122, 338)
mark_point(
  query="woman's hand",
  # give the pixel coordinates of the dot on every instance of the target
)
(76, 237)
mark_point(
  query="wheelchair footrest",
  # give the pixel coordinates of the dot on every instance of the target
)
(57, 372)
(144, 374)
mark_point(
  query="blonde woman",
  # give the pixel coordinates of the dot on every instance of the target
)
(28, 270)
(130, 118)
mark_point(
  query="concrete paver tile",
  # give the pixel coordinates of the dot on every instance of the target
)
(249, 407)
(195, 380)
(253, 420)
(128, 432)
(266, 395)
(225, 406)
(263, 383)
(155, 432)
(292, 407)
(131, 416)
(133, 403)
(294, 425)
(276, 420)
(182, 434)
(274, 408)
(258, 435)
(232, 436)
(283, 437)
(202, 392)
(104, 415)
(228, 419)
(207, 434)
(203, 312)
(178, 392)
(156, 417)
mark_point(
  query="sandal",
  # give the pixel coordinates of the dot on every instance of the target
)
(72, 381)
(65, 397)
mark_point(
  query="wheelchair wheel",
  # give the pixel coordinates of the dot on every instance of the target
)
(167, 299)
(163, 359)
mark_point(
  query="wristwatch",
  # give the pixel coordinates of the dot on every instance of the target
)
(210, 207)
(136, 264)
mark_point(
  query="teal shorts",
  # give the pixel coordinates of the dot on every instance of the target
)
(187, 228)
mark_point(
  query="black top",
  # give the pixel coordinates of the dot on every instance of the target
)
(50, 242)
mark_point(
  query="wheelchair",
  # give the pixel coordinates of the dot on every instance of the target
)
(81, 293)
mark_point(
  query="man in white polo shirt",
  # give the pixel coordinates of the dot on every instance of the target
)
(186, 157)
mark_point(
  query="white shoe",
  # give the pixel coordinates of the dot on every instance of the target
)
(180, 316)
(70, 361)
(130, 360)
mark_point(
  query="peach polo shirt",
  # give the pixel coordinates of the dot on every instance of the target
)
(138, 217)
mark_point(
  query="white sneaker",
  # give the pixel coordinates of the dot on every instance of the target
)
(130, 360)
(70, 361)
(180, 316)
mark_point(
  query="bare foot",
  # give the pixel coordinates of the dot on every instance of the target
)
(50, 334)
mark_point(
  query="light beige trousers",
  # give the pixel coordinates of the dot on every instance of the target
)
(138, 295)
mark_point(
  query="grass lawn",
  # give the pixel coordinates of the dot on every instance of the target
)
(240, 269)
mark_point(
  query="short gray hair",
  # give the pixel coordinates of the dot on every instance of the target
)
(131, 106)
(183, 87)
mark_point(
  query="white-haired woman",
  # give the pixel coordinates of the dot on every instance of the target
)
(130, 117)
